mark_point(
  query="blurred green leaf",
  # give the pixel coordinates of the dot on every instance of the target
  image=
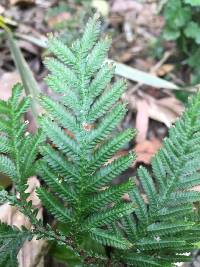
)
(193, 31)
(65, 255)
(192, 60)
(192, 2)
(38, 42)
(141, 76)
(183, 96)
(28, 80)
(171, 34)
(89, 244)
(176, 15)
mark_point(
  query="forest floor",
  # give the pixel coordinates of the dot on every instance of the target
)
(135, 28)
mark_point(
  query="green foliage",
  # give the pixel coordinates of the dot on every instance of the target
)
(72, 152)
(192, 2)
(66, 256)
(165, 223)
(18, 152)
(18, 148)
(75, 166)
(182, 25)
(11, 240)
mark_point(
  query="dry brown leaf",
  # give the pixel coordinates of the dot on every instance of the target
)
(52, 21)
(146, 150)
(28, 47)
(165, 113)
(164, 69)
(126, 197)
(142, 120)
(8, 79)
(128, 54)
(11, 216)
(165, 110)
(125, 5)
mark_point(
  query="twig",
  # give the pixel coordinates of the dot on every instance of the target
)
(152, 70)
(165, 57)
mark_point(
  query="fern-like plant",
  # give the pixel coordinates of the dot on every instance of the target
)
(165, 226)
(72, 154)
(79, 126)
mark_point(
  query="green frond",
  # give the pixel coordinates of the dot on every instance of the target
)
(4, 108)
(108, 216)
(166, 220)
(60, 114)
(60, 138)
(19, 151)
(62, 72)
(97, 57)
(107, 239)
(115, 229)
(170, 187)
(159, 243)
(103, 198)
(61, 51)
(161, 229)
(20, 131)
(71, 101)
(4, 197)
(175, 258)
(141, 260)
(189, 181)
(100, 81)
(167, 163)
(31, 152)
(89, 38)
(106, 101)
(5, 127)
(59, 187)
(183, 198)
(169, 213)
(16, 94)
(5, 145)
(129, 227)
(107, 150)
(191, 167)
(107, 173)
(23, 107)
(59, 163)
(148, 185)
(191, 155)
(141, 208)
(107, 125)
(195, 141)
(7, 167)
(68, 98)
(11, 240)
(54, 206)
